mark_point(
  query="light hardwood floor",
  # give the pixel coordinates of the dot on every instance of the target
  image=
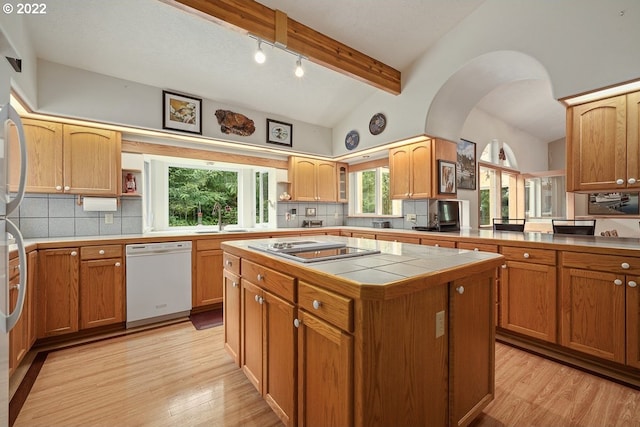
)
(177, 375)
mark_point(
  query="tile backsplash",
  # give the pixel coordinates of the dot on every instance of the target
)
(331, 214)
(59, 215)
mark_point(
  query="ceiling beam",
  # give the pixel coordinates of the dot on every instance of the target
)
(277, 28)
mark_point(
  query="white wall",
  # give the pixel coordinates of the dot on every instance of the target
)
(14, 41)
(72, 92)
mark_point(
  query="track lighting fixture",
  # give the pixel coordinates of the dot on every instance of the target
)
(259, 56)
(299, 70)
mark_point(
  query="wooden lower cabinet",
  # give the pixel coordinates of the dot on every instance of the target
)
(325, 349)
(438, 243)
(102, 300)
(633, 322)
(528, 292)
(23, 335)
(231, 313)
(268, 348)
(208, 284)
(57, 299)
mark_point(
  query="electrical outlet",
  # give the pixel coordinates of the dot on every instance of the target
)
(411, 217)
(439, 324)
(108, 218)
(335, 215)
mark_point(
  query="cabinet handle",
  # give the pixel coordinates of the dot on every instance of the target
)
(503, 266)
(619, 181)
(12, 287)
(101, 251)
(117, 264)
(58, 187)
(632, 284)
(631, 181)
(526, 255)
(460, 290)
(228, 263)
(316, 304)
(625, 265)
(297, 323)
(67, 188)
(617, 282)
(234, 284)
(74, 253)
(260, 277)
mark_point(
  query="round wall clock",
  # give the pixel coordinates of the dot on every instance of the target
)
(352, 140)
(377, 124)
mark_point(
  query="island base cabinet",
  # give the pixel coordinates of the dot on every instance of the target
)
(231, 313)
(471, 348)
(252, 296)
(325, 374)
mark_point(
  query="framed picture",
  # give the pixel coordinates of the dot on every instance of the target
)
(181, 112)
(279, 133)
(613, 204)
(466, 165)
(446, 177)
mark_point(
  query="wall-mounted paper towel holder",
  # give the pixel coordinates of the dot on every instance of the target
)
(102, 204)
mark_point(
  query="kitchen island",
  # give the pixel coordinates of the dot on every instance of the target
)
(400, 337)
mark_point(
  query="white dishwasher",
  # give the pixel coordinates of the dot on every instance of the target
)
(158, 282)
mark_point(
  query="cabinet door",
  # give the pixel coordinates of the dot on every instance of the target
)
(326, 187)
(528, 300)
(593, 313)
(57, 298)
(91, 161)
(633, 139)
(633, 321)
(279, 339)
(17, 336)
(101, 292)
(399, 173)
(343, 182)
(471, 347)
(44, 151)
(596, 145)
(303, 180)
(231, 313)
(420, 169)
(208, 285)
(252, 355)
(30, 310)
(325, 374)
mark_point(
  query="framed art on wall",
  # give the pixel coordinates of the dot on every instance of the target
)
(446, 177)
(279, 133)
(466, 165)
(181, 112)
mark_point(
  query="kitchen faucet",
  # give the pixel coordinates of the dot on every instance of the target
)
(217, 207)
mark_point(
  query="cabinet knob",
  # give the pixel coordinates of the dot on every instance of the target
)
(406, 194)
(16, 287)
(617, 282)
(625, 265)
(476, 249)
(260, 300)
(316, 304)
(117, 264)
(631, 181)
(257, 298)
(260, 277)
(67, 188)
(101, 251)
(619, 181)
(526, 255)
(504, 266)
(58, 187)
(632, 284)
(437, 245)
(228, 263)
(234, 284)
(460, 290)
(74, 253)
(297, 323)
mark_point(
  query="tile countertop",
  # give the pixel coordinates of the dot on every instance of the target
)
(396, 262)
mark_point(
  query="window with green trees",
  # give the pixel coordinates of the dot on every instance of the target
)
(371, 193)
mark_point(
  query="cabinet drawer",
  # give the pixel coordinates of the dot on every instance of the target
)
(478, 247)
(335, 309)
(538, 256)
(231, 263)
(438, 243)
(402, 239)
(100, 252)
(207, 245)
(278, 283)
(609, 263)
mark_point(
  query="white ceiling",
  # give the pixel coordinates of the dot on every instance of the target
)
(154, 43)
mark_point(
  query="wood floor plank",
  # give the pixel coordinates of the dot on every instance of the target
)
(177, 375)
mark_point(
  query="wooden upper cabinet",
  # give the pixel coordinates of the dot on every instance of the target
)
(67, 159)
(413, 168)
(602, 144)
(313, 180)
(91, 160)
(44, 154)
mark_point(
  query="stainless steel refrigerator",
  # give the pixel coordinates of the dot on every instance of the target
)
(9, 204)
